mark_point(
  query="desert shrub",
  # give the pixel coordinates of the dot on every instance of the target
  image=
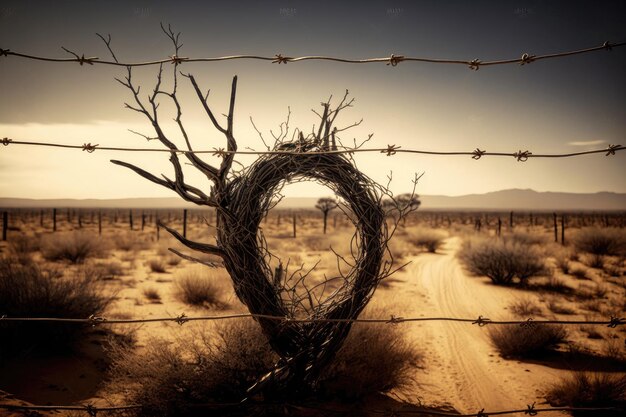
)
(502, 260)
(74, 247)
(584, 389)
(219, 363)
(31, 291)
(22, 246)
(607, 241)
(157, 265)
(152, 294)
(579, 273)
(202, 287)
(525, 307)
(527, 239)
(108, 270)
(526, 341)
(428, 239)
(558, 308)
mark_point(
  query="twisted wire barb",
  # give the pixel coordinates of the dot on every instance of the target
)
(481, 321)
(390, 150)
(393, 60)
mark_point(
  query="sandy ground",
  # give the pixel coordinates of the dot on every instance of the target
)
(463, 370)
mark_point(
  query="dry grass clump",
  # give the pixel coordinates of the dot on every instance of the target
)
(583, 389)
(606, 241)
(427, 239)
(579, 273)
(525, 307)
(152, 294)
(558, 308)
(22, 246)
(526, 341)
(219, 363)
(202, 287)
(75, 247)
(109, 270)
(28, 290)
(157, 265)
(528, 239)
(502, 260)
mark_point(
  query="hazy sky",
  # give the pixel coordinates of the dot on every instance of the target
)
(560, 105)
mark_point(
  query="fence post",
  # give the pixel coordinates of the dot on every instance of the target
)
(511, 220)
(156, 221)
(54, 220)
(100, 222)
(185, 223)
(294, 225)
(5, 224)
(130, 218)
(499, 226)
(143, 220)
(556, 232)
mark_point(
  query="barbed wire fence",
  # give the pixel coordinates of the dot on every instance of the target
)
(92, 410)
(390, 150)
(393, 60)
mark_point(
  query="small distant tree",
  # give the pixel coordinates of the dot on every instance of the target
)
(326, 205)
(401, 205)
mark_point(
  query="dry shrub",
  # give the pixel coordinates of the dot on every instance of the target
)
(31, 291)
(74, 247)
(607, 241)
(583, 389)
(428, 239)
(579, 273)
(562, 259)
(202, 287)
(502, 260)
(526, 341)
(219, 363)
(527, 239)
(558, 308)
(525, 307)
(152, 294)
(22, 247)
(157, 265)
(108, 270)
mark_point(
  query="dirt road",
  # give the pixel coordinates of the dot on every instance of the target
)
(462, 369)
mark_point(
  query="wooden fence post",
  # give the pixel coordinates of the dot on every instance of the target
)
(185, 223)
(294, 225)
(54, 220)
(130, 218)
(100, 222)
(5, 224)
(511, 220)
(499, 226)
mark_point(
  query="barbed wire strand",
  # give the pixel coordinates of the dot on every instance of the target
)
(93, 410)
(390, 150)
(183, 318)
(392, 60)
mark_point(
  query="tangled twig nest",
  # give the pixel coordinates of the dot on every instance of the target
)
(249, 197)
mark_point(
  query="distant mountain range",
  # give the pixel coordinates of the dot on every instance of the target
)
(514, 199)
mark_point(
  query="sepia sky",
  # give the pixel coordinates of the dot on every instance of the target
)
(562, 105)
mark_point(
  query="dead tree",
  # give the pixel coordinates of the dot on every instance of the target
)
(326, 205)
(243, 198)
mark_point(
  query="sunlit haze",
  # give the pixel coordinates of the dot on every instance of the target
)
(561, 105)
